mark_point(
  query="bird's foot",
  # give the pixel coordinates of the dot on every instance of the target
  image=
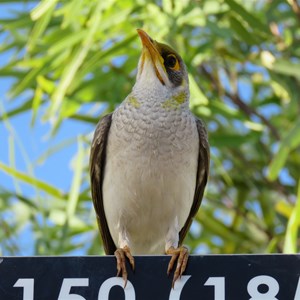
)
(121, 254)
(181, 254)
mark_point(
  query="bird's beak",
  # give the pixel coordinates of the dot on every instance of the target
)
(151, 51)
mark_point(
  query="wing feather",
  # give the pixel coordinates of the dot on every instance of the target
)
(201, 178)
(97, 166)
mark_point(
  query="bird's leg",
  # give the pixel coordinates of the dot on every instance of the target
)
(121, 254)
(181, 254)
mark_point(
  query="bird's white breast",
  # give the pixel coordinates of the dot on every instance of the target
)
(150, 173)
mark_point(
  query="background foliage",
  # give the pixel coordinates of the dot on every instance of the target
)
(76, 60)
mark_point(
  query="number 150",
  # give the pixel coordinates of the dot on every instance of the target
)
(217, 282)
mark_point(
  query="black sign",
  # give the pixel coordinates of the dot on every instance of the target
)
(212, 277)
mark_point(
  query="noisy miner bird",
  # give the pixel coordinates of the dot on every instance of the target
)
(149, 163)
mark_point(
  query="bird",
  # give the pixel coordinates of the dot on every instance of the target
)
(149, 164)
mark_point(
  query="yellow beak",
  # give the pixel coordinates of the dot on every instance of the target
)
(152, 47)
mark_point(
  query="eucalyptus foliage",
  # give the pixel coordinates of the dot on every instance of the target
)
(244, 68)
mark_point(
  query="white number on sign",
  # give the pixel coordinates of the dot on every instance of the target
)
(270, 282)
(178, 286)
(27, 285)
(297, 295)
(116, 281)
(67, 284)
(219, 284)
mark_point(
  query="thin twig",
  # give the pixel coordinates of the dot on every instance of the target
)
(296, 8)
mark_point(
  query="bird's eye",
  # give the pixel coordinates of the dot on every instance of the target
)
(172, 62)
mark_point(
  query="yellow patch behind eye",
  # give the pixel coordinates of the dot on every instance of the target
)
(176, 66)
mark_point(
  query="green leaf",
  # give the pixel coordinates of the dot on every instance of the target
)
(74, 192)
(45, 7)
(241, 31)
(76, 60)
(283, 208)
(291, 235)
(67, 41)
(31, 181)
(222, 32)
(197, 96)
(94, 61)
(58, 217)
(250, 18)
(232, 140)
(278, 162)
(36, 102)
(195, 17)
(42, 8)
(55, 149)
(25, 106)
(85, 118)
(288, 143)
(229, 112)
(12, 160)
(286, 67)
(76, 183)
(221, 170)
(28, 202)
(26, 82)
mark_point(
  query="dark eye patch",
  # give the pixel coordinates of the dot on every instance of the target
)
(171, 60)
(175, 77)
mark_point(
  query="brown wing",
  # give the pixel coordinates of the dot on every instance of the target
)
(201, 179)
(97, 164)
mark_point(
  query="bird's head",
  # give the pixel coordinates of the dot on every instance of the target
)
(161, 68)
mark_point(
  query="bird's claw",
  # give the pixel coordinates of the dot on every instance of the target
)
(121, 254)
(181, 254)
